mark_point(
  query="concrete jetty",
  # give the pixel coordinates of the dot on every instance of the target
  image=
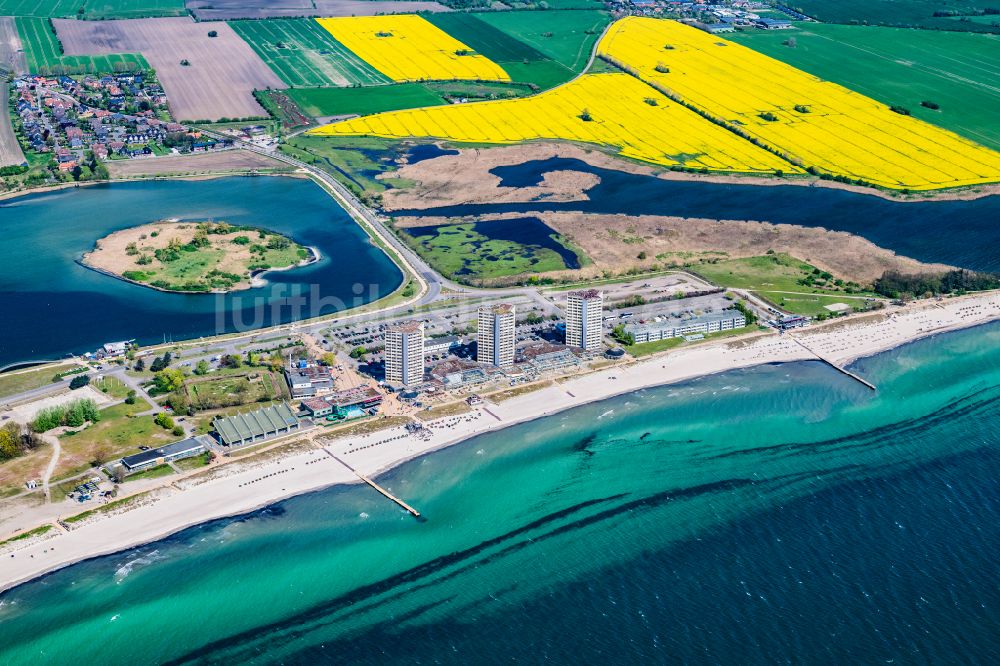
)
(409, 509)
(833, 365)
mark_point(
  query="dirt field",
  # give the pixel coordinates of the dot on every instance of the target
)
(219, 81)
(466, 177)
(11, 59)
(224, 10)
(615, 241)
(11, 54)
(195, 164)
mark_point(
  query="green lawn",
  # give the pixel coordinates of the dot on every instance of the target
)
(16, 382)
(187, 464)
(302, 53)
(44, 53)
(92, 9)
(459, 251)
(152, 473)
(363, 101)
(902, 13)
(958, 71)
(121, 430)
(230, 391)
(771, 275)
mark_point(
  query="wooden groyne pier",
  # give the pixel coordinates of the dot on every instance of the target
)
(833, 365)
(409, 509)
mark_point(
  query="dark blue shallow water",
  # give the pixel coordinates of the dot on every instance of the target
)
(961, 233)
(54, 306)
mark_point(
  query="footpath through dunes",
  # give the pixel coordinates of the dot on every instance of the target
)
(219, 79)
(812, 122)
(612, 109)
(406, 47)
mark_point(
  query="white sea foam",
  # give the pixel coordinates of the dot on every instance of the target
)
(126, 569)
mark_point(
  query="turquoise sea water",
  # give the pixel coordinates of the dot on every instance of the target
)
(780, 514)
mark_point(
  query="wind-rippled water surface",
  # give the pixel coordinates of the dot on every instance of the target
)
(781, 514)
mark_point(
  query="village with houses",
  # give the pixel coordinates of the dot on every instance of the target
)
(80, 122)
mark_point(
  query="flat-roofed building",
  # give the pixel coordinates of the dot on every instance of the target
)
(256, 426)
(404, 353)
(308, 380)
(585, 319)
(713, 322)
(362, 397)
(442, 344)
(495, 342)
(186, 448)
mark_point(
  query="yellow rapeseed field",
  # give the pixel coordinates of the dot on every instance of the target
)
(615, 110)
(405, 47)
(813, 122)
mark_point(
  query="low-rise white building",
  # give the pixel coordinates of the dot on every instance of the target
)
(714, 322)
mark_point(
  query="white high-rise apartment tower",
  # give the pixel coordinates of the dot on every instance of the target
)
(404, 353)
(585, 319)
(495, 344)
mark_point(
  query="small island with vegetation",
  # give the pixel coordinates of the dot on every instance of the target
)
(195, 256)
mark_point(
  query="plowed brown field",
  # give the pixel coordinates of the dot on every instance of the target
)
(219, 80)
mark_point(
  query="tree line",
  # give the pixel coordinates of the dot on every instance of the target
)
(894, 284)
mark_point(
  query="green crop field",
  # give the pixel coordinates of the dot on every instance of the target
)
(523, 59)
(44, 54)
(574, 4)
(302, 53)
(901, 13)
(92, 9)
(363, 101)
(491, 42)
(960, 72)
(108, 9)
(567, 37)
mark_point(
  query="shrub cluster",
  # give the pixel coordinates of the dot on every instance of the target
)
(73, 414)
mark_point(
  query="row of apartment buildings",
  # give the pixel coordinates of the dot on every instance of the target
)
(496, 336)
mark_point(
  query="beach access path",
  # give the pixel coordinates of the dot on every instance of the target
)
(226, 490)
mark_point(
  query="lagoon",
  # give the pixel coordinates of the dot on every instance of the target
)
(960, 233)
(54, 306)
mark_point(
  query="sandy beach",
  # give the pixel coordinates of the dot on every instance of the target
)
(233, 489)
